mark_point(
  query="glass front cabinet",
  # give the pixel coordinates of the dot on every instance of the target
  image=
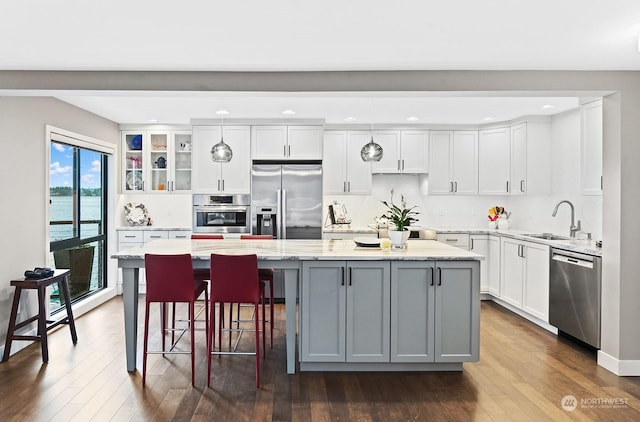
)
(156, 161)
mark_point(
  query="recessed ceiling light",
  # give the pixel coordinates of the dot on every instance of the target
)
(153, 120)
(548, 106)
(222, 112)
(412, 119)
(350, 119)
(288, 112)
(486, 119)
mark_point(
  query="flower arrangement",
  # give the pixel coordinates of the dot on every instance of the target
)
(401, 216)
(498, 212)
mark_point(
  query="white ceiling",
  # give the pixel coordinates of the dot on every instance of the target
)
(287, 35)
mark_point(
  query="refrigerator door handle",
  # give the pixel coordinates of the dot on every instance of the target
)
(279, 214)
(283, 220)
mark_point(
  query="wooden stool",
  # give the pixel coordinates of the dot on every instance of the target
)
(44, 325)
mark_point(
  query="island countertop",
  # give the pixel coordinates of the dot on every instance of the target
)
(298, 249)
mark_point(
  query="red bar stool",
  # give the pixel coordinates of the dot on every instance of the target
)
(234, 279)
(170, 279)
(44, 325)
(265, 275)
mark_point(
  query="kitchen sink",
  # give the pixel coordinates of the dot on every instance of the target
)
(546, 236)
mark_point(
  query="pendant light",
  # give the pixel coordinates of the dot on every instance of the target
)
(371, 151)
(221, 152)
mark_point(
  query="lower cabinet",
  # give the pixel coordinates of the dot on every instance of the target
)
(525, 276)
(381, 312)
(489, 246)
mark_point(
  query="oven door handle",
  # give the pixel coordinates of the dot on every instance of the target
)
(222, 209)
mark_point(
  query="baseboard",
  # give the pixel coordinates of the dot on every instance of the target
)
(625, 368)
(525, 315)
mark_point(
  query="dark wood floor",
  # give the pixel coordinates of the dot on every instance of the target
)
(523, 374)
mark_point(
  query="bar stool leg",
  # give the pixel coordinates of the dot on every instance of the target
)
(42, 323)
(64, 286)
(12, 324)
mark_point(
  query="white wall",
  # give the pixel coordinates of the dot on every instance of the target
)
(24, 170)
(165, 210)
(528, 212)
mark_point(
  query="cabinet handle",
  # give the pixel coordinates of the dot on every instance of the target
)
(143, 185)
(431, 284)
(284, 150)
(402, 164)
(451, 187)
(288, 150)
(519, 246)
(180, 236)
(129, 237)
(399, 168)
(471, 244)
(218, 184)
(507, 186)
(342, 277)
(456, 186)
(439, 276)
(223, 185)
(523, 256)
(154, 237)
(350, 275)
(600, 182)
(451, 240)
(349, 186)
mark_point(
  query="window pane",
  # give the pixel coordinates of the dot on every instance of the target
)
(90, 193)
(61, 191)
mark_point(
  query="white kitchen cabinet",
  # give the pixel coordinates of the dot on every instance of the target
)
(138, 237)
(460, 240)
(453, 162)
(233, 177)
(343, 171)
(494, 161)
(591, 139)
(156, 161)
(405, 151)
(518, 167)
(286, 142)
(489, 247)
(525, 276)
(345, 310)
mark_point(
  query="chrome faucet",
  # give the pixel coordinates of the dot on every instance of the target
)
(574, 228)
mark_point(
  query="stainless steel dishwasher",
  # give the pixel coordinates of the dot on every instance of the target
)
(574, 295)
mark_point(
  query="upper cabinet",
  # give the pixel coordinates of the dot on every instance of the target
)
(591, 122)
(404, 151)
(518, 173)
(453, 162)
(156, 161)
(344, 172)
(286, 142)
(494, 162)
(233, 177)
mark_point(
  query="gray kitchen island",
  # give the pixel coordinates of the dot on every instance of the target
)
(361, 308)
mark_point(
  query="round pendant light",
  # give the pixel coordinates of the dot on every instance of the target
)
(371, 151)
(221, 152)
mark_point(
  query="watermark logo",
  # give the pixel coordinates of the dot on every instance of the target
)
(569, 403)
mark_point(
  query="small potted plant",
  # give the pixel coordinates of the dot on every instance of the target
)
(400, 218)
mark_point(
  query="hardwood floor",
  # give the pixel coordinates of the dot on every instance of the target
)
(523, 374)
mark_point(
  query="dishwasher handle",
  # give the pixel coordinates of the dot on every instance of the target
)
(571, 260)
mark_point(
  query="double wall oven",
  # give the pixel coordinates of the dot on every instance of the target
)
(222, 214)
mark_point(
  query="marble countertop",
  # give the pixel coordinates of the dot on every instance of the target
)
(348, 228)
(294, 249)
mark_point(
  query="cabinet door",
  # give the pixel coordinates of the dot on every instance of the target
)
(323, 311)
(414, 151)
(368, 308)
(536, 280)
(518, 160)
(179, 234)
(236, 174)
(205, 176)
(334, 163)
(389, 140)
(493, 162)
(511, 276)
(180, 153)
(493, 282)
(440, 174)
(591, 169)
(480, 245)
(457, 317)
(304, 142)
(412, 311)
(134, 144)
(159, 161)
(359, 179)
(465, 162)
(269, 142)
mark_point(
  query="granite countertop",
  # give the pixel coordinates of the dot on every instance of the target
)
(574, 245)
(294, 249)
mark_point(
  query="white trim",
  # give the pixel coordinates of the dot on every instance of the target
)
(65, 136)
(526, 315)
(625, 368)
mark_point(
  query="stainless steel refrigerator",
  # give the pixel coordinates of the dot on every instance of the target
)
(286, 200)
